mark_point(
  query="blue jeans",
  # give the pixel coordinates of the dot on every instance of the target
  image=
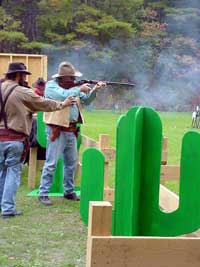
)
(10, 172)
(65, 144)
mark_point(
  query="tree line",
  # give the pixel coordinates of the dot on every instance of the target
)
(154, 44)
(30, 25)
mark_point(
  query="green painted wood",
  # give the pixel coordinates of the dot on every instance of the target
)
(92, 180)
(186, 218)
(41, 126)
(138, 163)
(150, 170)
(128, 161)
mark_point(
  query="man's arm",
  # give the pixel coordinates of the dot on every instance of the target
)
(54, 91)
(87, 98)
(36, 103)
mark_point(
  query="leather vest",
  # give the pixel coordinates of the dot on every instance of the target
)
(61, 117)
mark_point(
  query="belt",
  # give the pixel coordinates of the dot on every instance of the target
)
(11, 135)
(57, 129)
(72, 127)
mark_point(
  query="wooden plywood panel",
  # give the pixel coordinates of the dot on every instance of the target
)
(168, 201)
(45, 62)
(19, 58)
(3, 64)
(88, 142)
(144, 252)
(37, 64)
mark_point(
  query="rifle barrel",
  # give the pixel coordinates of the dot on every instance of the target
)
(119, 83)
(107, 82)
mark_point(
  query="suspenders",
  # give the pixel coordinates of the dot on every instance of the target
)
(3, 115)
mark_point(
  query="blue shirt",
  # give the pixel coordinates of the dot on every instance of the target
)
(55, 92)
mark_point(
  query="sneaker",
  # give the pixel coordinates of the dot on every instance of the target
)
(12, 214)
(45, 200)
(72, 196)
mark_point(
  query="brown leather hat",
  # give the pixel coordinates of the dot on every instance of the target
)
(17, 67)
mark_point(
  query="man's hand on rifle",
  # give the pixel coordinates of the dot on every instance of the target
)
(85, 88)
(69, 101)
(99, 85)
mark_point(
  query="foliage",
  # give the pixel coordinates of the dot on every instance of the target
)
(109, 28)
(34, 47)
(7, 23)
(10, 41)
(153, 43)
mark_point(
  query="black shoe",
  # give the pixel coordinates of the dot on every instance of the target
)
(45, 200)
(13, 214)
(72, 196)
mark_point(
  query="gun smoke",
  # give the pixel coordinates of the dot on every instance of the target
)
(165, 77)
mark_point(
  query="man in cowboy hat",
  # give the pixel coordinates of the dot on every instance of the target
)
(61, 129)
(17, 106)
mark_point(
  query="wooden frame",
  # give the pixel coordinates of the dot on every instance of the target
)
(115, 251)
(36, 64)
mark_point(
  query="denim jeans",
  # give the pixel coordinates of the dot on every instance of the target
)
(65, 144)
(10, 172)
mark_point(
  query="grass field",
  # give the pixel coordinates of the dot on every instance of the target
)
(55, 236)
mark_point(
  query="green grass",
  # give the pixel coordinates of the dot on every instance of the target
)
(55, 236)
(44, 236)
(174, 126)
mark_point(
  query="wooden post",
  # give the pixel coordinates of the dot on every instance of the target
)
(169, 172)
(78, 170)
(99, 224)
(104, 142)
(164, 151)
(32, 167)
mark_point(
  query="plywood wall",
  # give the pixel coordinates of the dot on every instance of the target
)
(36, 64)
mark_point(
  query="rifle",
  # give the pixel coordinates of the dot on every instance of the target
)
(81, 82)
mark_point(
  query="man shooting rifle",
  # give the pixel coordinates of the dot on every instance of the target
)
(62, 128)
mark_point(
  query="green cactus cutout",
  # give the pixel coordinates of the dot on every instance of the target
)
(41, 126)
(128, 168)
(138, 163)
(92, 181)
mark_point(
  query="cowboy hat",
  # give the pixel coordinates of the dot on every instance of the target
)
(67, 69)
(17, 67)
